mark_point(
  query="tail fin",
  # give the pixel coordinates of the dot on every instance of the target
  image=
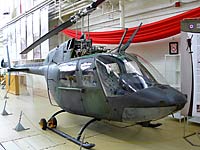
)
(3, 65)
(6, 64)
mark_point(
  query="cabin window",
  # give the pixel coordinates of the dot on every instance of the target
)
(88, 76)
(68, 76)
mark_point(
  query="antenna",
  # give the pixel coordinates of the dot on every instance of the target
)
(122, 39)
(88, 26)
(130, 39)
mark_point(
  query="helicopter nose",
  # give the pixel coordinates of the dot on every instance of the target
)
(148, 104)
(154, 103)
(177, 98)
(172, 97)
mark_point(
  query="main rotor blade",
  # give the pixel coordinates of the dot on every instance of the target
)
(73, 19)
(47, 36)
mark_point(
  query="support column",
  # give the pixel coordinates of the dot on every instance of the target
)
(121, 18)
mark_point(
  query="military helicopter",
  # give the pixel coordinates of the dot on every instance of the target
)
(87, 80)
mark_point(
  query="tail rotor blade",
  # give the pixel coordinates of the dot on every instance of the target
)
(9, 65)
(8, 57)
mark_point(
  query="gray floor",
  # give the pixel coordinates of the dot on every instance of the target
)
(106, 135)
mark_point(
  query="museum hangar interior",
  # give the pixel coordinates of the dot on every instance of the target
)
(83, 74)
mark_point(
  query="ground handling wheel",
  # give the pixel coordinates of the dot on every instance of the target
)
(52, 122)
(43, 124)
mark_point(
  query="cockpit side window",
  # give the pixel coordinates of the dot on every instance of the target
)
(113, 63)
(68, 74)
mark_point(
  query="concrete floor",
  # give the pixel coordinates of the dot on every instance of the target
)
(106, 135)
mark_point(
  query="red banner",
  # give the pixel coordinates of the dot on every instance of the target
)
(148, 32)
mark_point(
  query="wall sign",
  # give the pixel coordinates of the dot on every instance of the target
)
(173, 47)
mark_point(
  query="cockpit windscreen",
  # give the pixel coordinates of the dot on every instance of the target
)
(126, 73)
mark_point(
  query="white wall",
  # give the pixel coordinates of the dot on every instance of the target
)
(106, 17)
(137, 11)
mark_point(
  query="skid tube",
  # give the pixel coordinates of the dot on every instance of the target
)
(76, 140)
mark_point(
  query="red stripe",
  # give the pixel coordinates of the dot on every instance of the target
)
(148, 32)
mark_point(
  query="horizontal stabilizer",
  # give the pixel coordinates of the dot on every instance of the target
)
(18, 69)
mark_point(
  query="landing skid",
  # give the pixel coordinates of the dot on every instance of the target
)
(52, 124)
(149, 124)
(72, 139)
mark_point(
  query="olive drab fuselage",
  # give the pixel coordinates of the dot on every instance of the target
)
(108, 86)
(119, 87)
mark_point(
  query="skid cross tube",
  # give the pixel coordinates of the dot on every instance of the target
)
(85, 126)
(61, 111)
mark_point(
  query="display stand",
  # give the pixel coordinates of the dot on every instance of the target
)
(173, 75)
(14, 86)
(172, 70)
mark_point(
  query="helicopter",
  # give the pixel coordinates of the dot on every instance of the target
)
(89, 81)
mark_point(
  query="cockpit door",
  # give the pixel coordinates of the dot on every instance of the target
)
(109, 70)
(93, 97)
(69, 91)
